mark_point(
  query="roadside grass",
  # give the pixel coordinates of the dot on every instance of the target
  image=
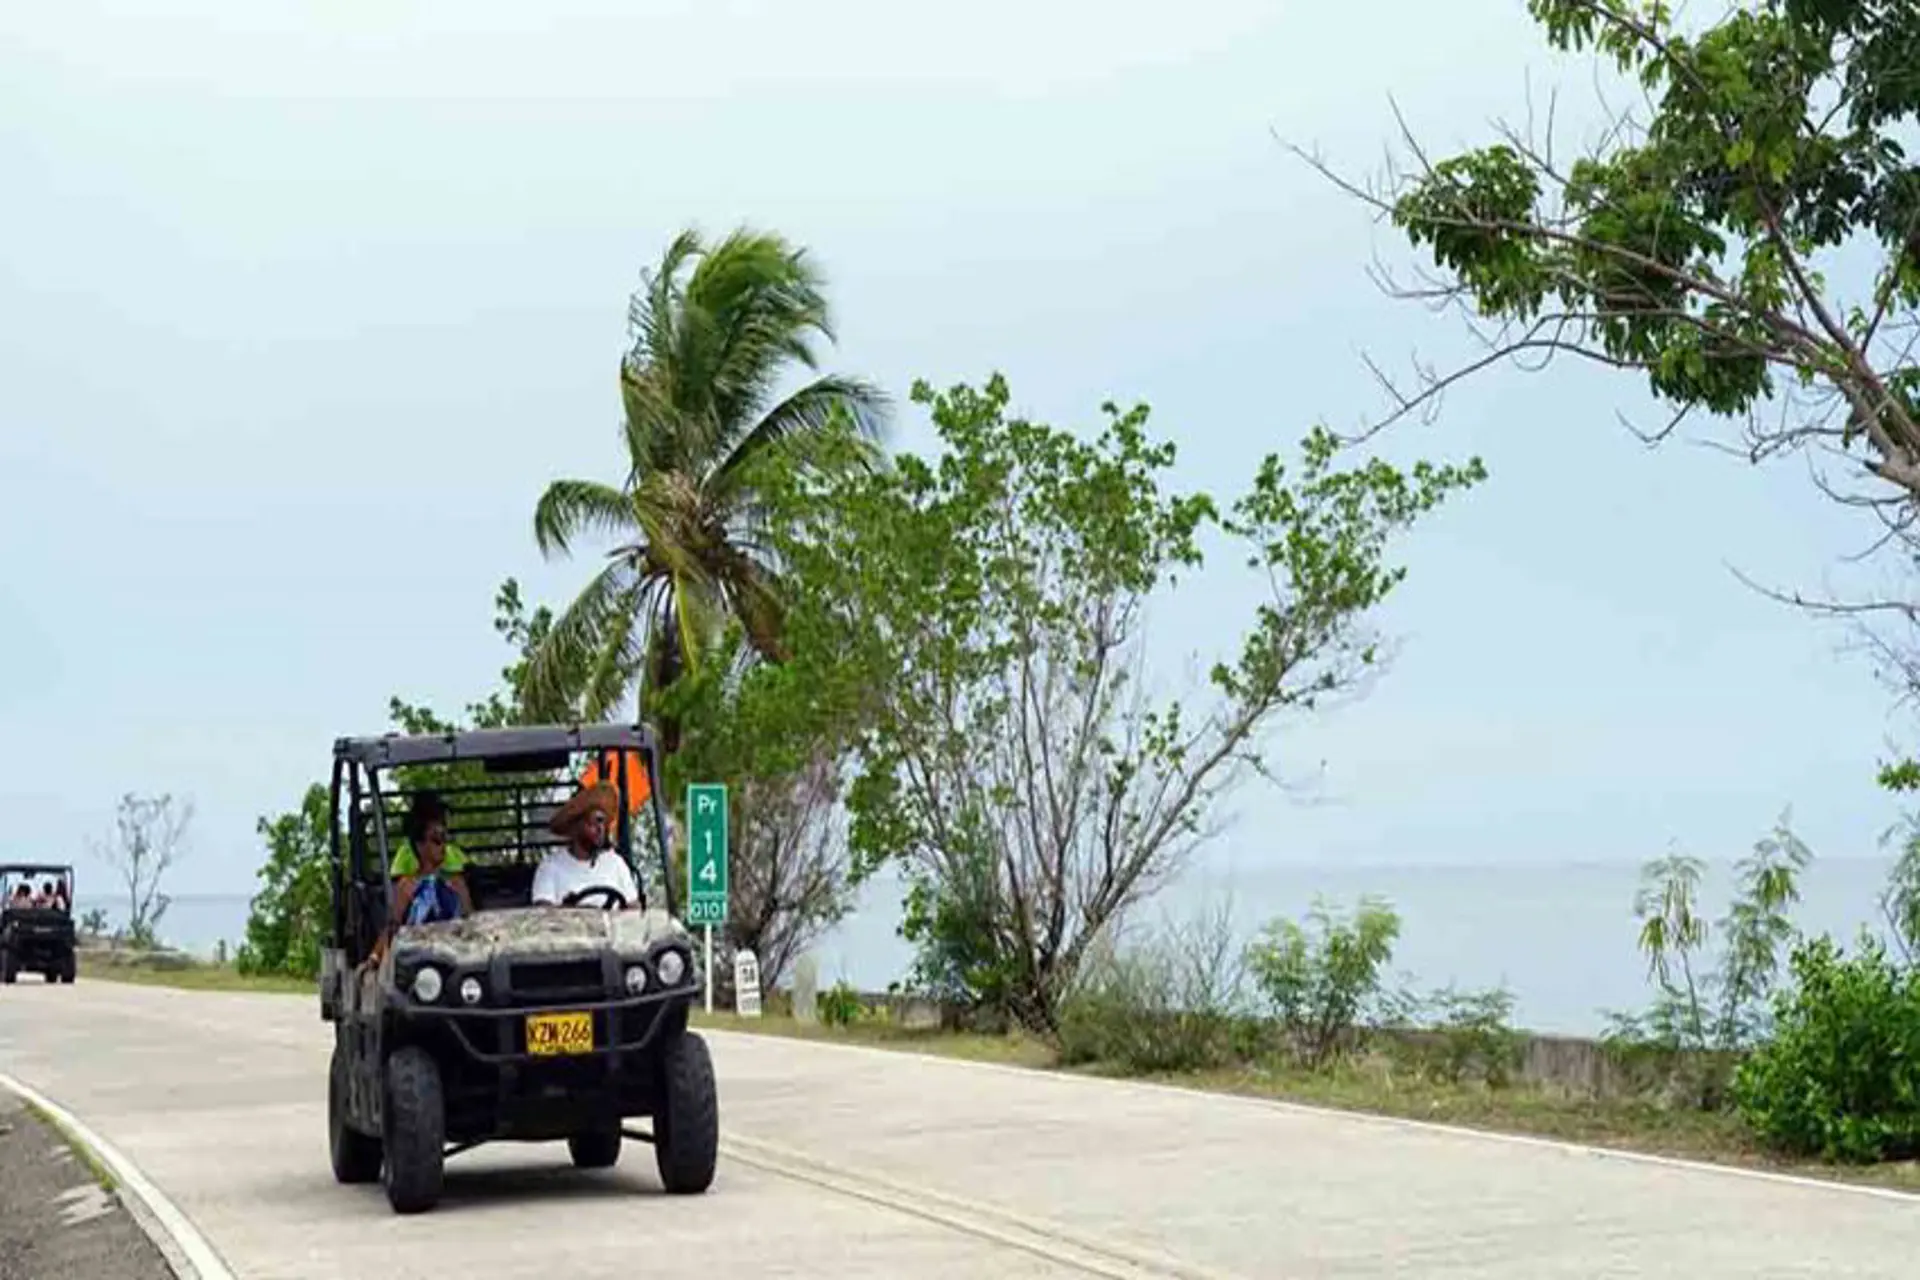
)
(81, 1151)
(198, 976)
(1376, 1085)
(1009, 1050)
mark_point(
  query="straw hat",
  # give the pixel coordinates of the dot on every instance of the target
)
(583, 801)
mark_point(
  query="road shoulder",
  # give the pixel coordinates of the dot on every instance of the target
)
(61, 1216)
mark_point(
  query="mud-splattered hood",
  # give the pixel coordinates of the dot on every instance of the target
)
(538, 931)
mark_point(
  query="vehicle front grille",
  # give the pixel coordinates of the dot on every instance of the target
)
(557, 978)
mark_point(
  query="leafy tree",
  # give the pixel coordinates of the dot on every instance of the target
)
(290, 915)
(981, 615)
(149, 834)
(1748, 245)
(716, 329)
(1703, 1016)
(782, 747)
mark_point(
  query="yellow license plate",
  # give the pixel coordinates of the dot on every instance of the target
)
(551, 1034)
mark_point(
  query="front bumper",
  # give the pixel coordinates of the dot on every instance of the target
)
(495, 1034)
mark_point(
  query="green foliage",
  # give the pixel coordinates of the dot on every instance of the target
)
(779, 742)
(979, 618)
(1900, 900)
(1704, 1016)
(716, 329)
(840, 1005)
(1748, 245)
(1472, 1036)
(1324, 977)
(1723, 1009)
(1171, 1001)
(1688, 250)
(292, 914)
(1840, 1076)
(94, 922)
(954, 921)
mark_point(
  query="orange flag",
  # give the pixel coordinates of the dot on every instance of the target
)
(635, 768)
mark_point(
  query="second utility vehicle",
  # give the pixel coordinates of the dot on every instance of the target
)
(36, 922)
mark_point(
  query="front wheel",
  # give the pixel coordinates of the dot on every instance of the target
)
(416, 1132)
(356, 1157)
(686, 1127)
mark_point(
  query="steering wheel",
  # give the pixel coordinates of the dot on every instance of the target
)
(615, 900)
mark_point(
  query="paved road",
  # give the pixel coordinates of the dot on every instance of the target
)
(847, 1163)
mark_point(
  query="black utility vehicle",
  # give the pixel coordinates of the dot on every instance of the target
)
(36, 922)
(517, 1022)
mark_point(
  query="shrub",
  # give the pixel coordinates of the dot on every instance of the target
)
(1840, 1077)
(840, 1006)
(1168, 1002)
(1469, 1035)
(1321, 984)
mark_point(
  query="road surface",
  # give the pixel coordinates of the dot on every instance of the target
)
(840, 1162)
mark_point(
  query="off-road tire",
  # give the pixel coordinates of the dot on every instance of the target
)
(70, 970)
(50, 976)
(356, 1156)
(9, 969)
(414, 1170)
(686, 1127)
(595, 1149)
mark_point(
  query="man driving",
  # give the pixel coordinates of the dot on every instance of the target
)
(588, 861)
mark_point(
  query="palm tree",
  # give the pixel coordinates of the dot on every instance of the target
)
(716, 330)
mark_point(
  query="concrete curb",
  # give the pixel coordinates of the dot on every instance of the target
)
(178, 1240)
(1374, 1118)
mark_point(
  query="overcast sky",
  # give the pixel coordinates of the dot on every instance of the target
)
(305, 303)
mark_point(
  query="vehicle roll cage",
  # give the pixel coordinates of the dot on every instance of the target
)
(528, 772)
(30, 871)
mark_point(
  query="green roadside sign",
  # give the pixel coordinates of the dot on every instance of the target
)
(707, 853)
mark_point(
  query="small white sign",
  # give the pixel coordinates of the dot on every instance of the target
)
(746, 984)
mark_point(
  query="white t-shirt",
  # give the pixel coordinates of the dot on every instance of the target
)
(560, 873)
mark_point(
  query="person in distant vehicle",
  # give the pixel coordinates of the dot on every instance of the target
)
(588, 861)
(57, 896)
(22, 895)
(44, 899)
(428, 870)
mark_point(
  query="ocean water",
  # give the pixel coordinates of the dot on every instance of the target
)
(1562, 937)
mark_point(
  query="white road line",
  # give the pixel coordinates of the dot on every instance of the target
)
(1067, 1079)
(1047, 1240)
(183, 1239)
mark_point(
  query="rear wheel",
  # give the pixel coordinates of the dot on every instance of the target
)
(595, 1149)
(70, 970)
(416, 1132)
(686, 1128)
(9, 968)
(356, 1156)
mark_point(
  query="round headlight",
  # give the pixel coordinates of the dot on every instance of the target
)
(672, 968)
(470, 992)
(427, 985)
(636, 979)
